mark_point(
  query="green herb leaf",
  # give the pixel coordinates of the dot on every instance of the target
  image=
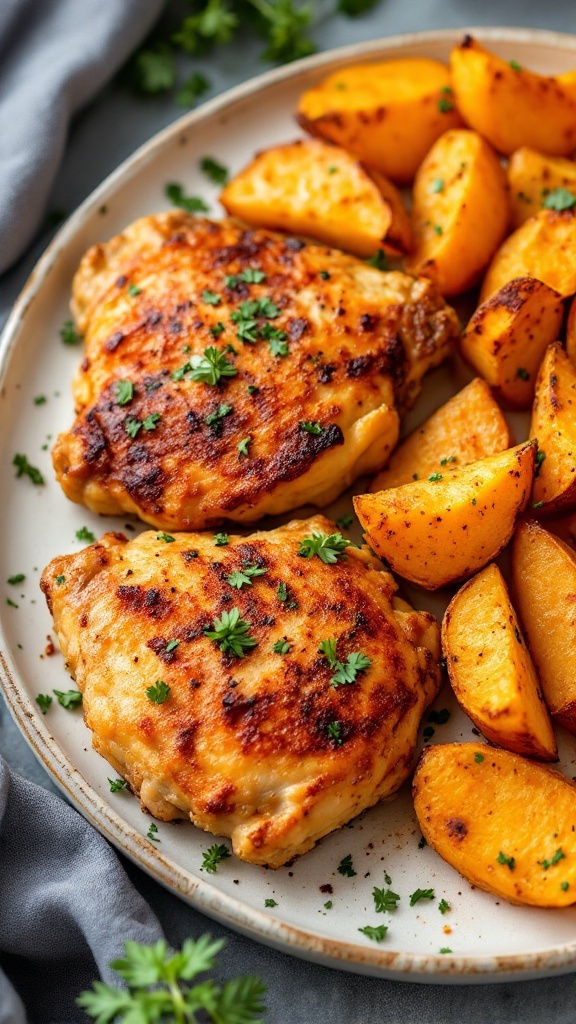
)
(40, 400)
(211, 298)
(503, 859)
(444, 906)
(44, 701)
(24, 468)
(213, 170)
(220, 540)
(124, 391)
(211, 367)
(559, 199)
(171, 646)
(243, 446)
(346, 673)
(421, 894)
(151, 421)
(192, 204)
(215, 418)
(213, 856)
(152, 834)
(85, 534)
(117, 785)
(376, 934)
(166, 537)
(14, 580)
(384, 899)
(244, 576)
(311, 427)
(445, 949)
(379, 260)
(191, 90)
(230, 633)
(329, 547)
(69, 698)
(345, 522)
(437, 185)
(328, 649)
(478, 757)
(153, 70)
(132, 426)
(559, 855)
(158, 692)
(60, 580)
(69, 334)
(334, 730)
(270, 903)
(252, 275)
(435, 477)
(345, 867)
(281, 646)
(522, 373)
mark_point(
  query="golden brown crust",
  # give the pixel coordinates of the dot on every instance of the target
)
(242, 744)
(359, 342)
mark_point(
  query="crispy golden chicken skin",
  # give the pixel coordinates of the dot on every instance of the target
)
(307, 335)
(262, 747)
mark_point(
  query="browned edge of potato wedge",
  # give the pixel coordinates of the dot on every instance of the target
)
(467, 428)
(437, 531)
(460, 213)
(387, 113)
(543, 247)
(532, 176)
(509, 105)
(553, 424)
(571, 331)
(313, 188)
(544, 591)
(491, 671)
(507, 336)
(506, 824)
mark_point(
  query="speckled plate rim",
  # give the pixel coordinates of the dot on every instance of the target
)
(198, 892)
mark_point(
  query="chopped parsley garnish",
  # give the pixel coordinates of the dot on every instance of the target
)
(124, 391)
(379, 260)
(421, 894)
(445, 949)
(334, 730)
(166, 537)
(559, 199)
(439, 717)
(69, 334)
(385, 899)
(387, 878)
(328, 905)
(243, 577)
(85, 534)
(324, 275)
(270, 903)
(215, 418)
(211, 298)
(447, 460)
(192, 204)
(422, 842)
(282, 592)
(345, 522)
(376, 934)
(478, 757)
(152, 833)
(213, 170)
(538, 504)
(11, 603)
(14, 580)
(117, 785)
(540, 456)
(503, 859)
(24, 468)
(252, 276)
(151, 421)
(133, 289)
(132, 426)
(515, 65)
(559, 855)
(69, 698)
(243, 446)
(40, 400)
(252, 389)
(231, 633)
(311, 427)
(276, 343)
(522, 373)
(437, 229)
(328, 649)
(216, 329)
(345, 867)
(328, 546)
(282, 646)
(207, 369)
(444, 906)
(43, 701)
(213, 856)
(60, 580)
(564, 886)
(171, 646)
(437, 185)
(346, 673)
(445, 103)
(220, 540)
(435, 478)
(158, 692)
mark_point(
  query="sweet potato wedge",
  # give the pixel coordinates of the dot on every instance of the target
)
(316, 189)
(543, 247)
(461, 211)
(510, 106)
(533, 176)
(544, 588)
(467, 428)
(506, 824)
(387, 114)
(443, 529)
(507, 337)
(553, 424)
(491, 671)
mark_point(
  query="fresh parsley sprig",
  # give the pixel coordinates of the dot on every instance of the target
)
(231, 633)
(328, 546)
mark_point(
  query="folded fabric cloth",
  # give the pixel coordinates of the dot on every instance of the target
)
(66, 905)
(54, 56)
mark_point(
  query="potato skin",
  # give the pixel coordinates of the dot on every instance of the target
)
(312, 188)
(491, 671)
(387, 114)
(531, 175)
(554, 425)
(507, 337)
(478, 806)
(548, 613)
(460, 213)
(543, 247)
(467, 428)
(509, 106)
(438, 531)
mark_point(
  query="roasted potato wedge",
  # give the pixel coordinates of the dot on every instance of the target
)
(467, 428)
(461, 211)
(571, 332)
(443, 529)
(553, 424)
(544, 247)
(532, 176)
(387, 114)
(506, 824)
(544, 588)
(509, 106)
(491, 671)
(315, 189)
(507, 337)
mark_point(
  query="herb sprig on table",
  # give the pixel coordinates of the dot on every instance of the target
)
(283, 25)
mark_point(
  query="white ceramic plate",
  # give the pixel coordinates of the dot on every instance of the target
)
(489, 940)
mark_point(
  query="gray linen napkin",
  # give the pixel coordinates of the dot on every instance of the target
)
(66, 905)
(54, 56)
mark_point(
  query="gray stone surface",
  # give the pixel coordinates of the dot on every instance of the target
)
(300, 993)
